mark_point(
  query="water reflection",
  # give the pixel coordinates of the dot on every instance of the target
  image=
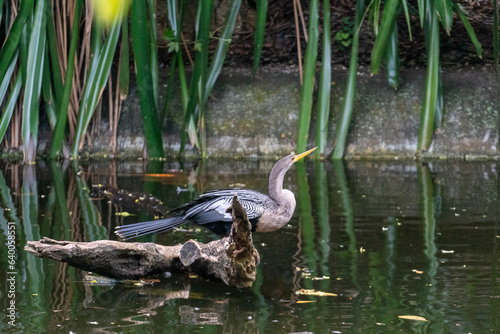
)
(390, 238)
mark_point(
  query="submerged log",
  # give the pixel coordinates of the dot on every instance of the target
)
(232, 260)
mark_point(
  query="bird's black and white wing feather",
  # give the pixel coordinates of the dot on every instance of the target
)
(213, 205)
(208, 209)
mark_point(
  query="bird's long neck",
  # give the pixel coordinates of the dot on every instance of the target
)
(276, 183)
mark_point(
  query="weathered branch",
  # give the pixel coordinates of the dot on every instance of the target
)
(232, 259)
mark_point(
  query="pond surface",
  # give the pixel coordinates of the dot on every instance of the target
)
(390, 239)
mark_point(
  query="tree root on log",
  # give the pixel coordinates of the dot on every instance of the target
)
(232, 260)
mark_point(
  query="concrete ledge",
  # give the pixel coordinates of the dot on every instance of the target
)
(259, 117)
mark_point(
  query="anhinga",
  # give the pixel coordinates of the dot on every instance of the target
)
(266, 213)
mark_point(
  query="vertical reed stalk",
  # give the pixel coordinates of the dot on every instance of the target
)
(325, 84)
(392, 58)
(13, 38)
(391, 11)
(345, 118)
(58, 135)
(221, 50)
(96, 79)
(34, 82)
(203, 36)
(309, 71)
(145, 79)
(260, 27)
(427, 113)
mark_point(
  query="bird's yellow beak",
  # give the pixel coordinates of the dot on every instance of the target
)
(297, 157)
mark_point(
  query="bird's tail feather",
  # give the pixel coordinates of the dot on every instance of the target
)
(155, 226)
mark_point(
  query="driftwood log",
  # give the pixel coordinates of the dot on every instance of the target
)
(232, 260)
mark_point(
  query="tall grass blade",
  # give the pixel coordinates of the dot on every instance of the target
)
(309, 70)
(58, 134)
(260, 28)
(1, 9)
(49, 97)
(124, 77)
(461, 14)
(197, 84)
(427, 113)
(190, 113)
(376, 15)
(183, 82)
(438, 114)
(154, 48)
(9, 107)
(33, 84)
(421, 11)
(407, 16)
(325, 84)
(96, 79)
(11, 43)
(203, 36)
(55, 71)
(221, 49)
(5, 83)
(445, 10)
(345, 118)
(392, 58)
(175, 20)
(391, 11)
(145, 79)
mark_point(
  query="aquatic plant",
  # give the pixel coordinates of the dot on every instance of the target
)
(55, 59)
(67, 80)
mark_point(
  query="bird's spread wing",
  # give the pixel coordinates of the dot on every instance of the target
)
(215, 204)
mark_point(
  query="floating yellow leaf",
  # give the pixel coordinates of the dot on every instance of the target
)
(313, 292)
(412, 317)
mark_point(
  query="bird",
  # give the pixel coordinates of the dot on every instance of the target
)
(266, 213)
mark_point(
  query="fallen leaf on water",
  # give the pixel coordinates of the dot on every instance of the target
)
(313, 292)
(158, 175)
(412, 317)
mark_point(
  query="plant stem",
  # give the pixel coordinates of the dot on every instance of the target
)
(345, 119)
(325, 84)
(431, 82)
(309, 71)
(57, 139)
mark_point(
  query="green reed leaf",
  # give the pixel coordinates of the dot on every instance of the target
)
(260, 28)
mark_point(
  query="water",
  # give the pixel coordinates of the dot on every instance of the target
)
(391, 239)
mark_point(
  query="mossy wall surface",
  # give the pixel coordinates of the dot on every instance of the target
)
(258, 117)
